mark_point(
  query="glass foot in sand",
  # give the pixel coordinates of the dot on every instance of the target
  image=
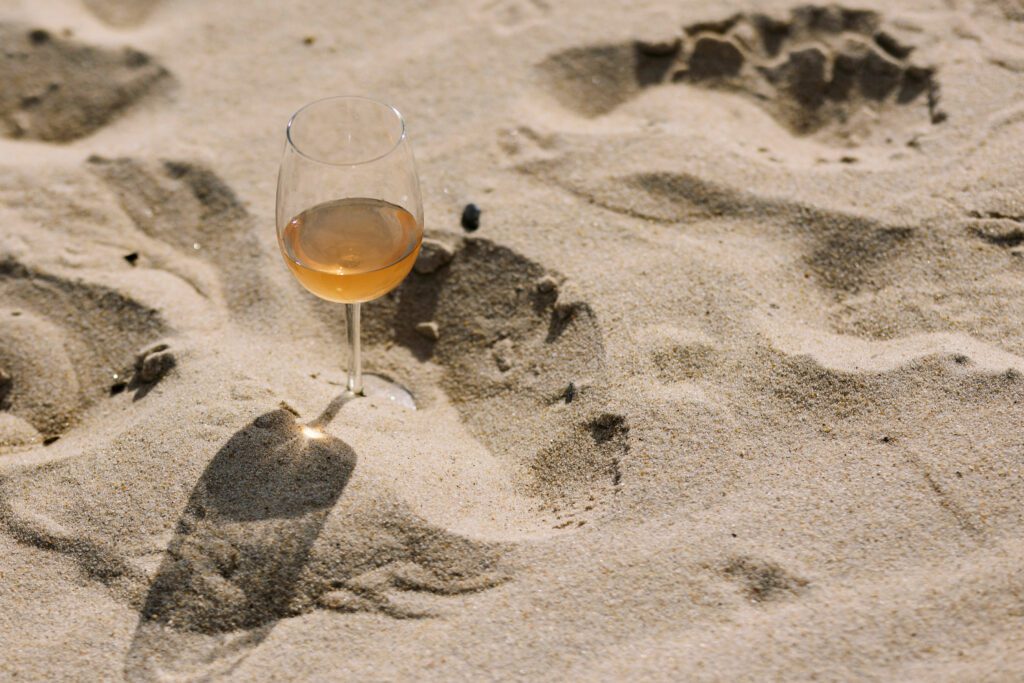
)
(376, 386)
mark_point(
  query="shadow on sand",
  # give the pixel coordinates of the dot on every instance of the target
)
(235, 564)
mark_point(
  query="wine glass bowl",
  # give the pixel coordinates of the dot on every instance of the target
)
(349, 211)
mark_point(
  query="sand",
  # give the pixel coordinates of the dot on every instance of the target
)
(727, 386)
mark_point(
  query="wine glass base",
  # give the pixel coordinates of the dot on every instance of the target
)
(376, 386)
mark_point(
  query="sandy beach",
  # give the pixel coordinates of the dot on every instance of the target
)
(727, 386)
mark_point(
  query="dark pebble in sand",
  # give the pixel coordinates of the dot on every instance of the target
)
(50, 439)
(471, 217)
(570, 392)
(116, 389)
(38, 36)
(132, 257)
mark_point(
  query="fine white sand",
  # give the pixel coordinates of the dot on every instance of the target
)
(728, 384)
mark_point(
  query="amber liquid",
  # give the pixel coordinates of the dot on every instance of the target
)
(351, 250)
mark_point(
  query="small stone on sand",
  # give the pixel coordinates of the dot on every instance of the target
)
(428, 330)
(502, 353)
(547, 284)
(471, 218)
(153, 363)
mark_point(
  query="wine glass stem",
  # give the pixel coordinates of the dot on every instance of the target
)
(355, 370)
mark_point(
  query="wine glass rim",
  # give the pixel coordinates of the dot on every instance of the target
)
(298, 150)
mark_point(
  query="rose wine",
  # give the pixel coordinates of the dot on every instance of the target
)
(351, 250)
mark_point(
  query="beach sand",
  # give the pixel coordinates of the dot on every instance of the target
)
(728, 385)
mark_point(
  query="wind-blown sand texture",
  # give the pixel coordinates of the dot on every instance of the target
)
(727, 386)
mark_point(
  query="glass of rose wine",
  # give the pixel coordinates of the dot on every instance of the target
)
(349, 212)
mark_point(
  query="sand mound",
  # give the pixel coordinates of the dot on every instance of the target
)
(817, 68)
(256, 543)
(247, 551)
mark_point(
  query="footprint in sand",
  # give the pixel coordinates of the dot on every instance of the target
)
(189, 208)
(844, 252)
(58, 90)
(523, 361)
(58, 363)
(930, 381)
(896, 404)
(822, 69)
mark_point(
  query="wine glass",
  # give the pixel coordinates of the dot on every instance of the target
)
(349, 212)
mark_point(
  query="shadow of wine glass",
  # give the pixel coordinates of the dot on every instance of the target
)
(234, 566)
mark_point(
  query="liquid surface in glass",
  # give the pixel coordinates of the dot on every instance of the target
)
(351, 250)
